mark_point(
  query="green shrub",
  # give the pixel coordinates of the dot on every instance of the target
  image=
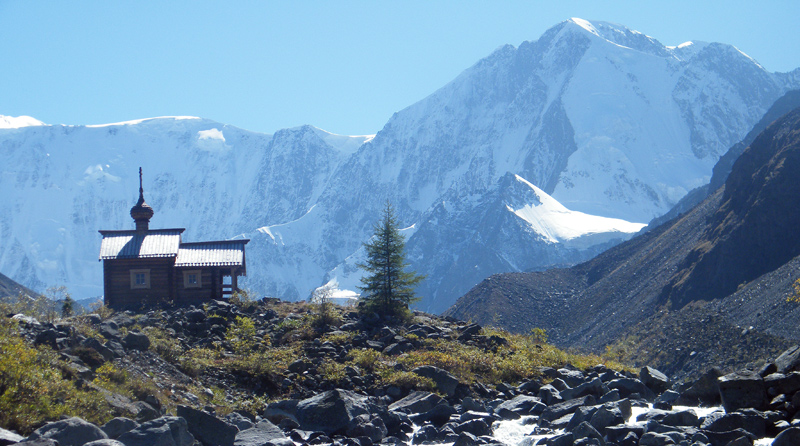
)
(33, 389)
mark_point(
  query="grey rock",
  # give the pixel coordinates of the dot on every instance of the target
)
(444, 380)
(331, 411)
(655, 439)
(467, 439)
(164, 431)
(438, 415)
(523, 405)
(754, 423)
(743, 389)
(39, 442)
(239, 420)
(594, 387)
(8, 437)
(277, 411)
(654, 379)
(704, 391)
(136, 341)
(118, 426)
(416, 402)
(106, 442)
(425, 434)
(565, 439)
(789, 360)
(630, 386)
(369, 426)
(264, 433)
(789, 437)
(70, 432)
(559, 410)
(475, 427)
(550, 395)
(585, 430)
(208, 429)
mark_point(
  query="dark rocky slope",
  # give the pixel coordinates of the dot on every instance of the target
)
(683, 273)
(12, 289)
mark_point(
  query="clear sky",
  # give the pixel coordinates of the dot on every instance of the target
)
(343, 66)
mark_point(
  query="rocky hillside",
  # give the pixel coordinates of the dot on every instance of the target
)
(712, 280)
(282, 374)
(11, 289)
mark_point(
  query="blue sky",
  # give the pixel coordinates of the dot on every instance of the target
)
(343, 66)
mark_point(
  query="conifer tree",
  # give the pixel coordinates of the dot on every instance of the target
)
(388, 288)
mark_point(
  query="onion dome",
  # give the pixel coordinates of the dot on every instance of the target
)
(141, 212)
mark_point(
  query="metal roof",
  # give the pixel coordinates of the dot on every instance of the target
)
(218, 253)
(137, 244)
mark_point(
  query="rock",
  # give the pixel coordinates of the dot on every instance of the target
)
(565, 439)
(416, 402)
(425, 434)
(467, 439)
(704, 391)
(655, 439)
(783, 383)
(585, 430)
(136, 341)
(654, 379)
(723, 438)
(550, 395)
(8, 437)
(789, 437)
(559, 410)
(470, 404)
(438, 415)
(444, 381)
(331, 411)
(106, 442)
(208, 429)
(594, 387)
(145, 412)
(741, 441)
(789, 361)
(630, 386)
(277, 411)
(70, 432)
(743, 389)
(370, 426)
(475, 427)
(754, 423)
(164, 431)
(239, 420)
(263, 433)
(119, 426)
(39, 442)
(522, 405)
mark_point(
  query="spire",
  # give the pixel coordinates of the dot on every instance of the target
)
(141, 212)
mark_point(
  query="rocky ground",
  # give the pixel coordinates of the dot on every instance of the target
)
(271, 373)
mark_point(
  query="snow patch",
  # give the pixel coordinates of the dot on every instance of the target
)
(585, 24)
(97, 172)
(558, 224)
(343, 143)
(139, 121)
(15, 122)
(212, 140)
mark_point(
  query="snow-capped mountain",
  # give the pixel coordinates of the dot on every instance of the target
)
(538, 155)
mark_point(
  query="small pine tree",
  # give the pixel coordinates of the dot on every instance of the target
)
(388, 288)
(68, 308)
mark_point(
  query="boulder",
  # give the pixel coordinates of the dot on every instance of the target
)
(550, 395)
(164, 431)
(370, 426)
(8, 437)
(69, 432)
(594, 387)
(105, 442)
(208, 429)
(704, 391)
(444, 381)
(754, 423)
(438, 415)
(743, 389)
(239, 420)
(655, 439)
(522, 405)
(279, 410)
(565, 439)
(331, 411)
(789, 437)
(558, 410)
(654, 379)
(136, 341)
(416, 402)
(263, 433)
(118, 426)
(585, 430)
(789, 360)
(630, 386)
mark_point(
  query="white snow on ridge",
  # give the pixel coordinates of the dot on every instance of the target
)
(15, 122)
(575, 229)
(139, 121)
(343, 143)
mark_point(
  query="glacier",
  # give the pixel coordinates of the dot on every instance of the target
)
(539, 155)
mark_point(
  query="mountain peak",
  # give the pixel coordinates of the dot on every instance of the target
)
(616, 34)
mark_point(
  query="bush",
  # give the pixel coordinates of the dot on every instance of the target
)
(33, 389)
